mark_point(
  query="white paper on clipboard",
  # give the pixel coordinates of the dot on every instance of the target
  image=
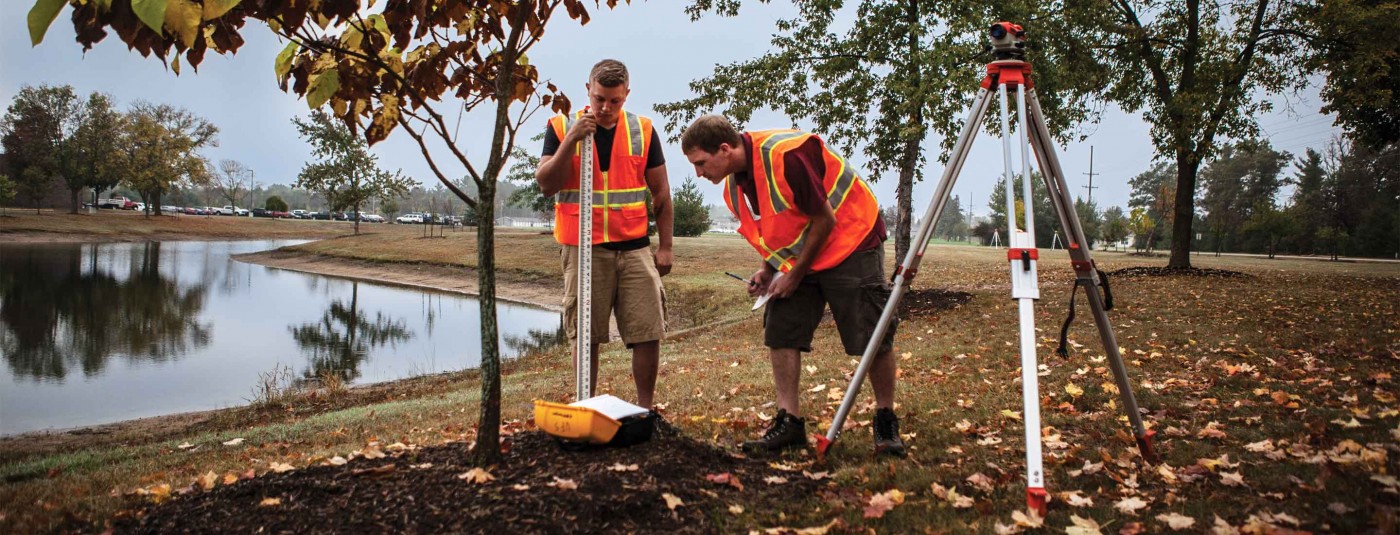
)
(763, 299)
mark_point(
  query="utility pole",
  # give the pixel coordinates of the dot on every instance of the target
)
(1091, 174)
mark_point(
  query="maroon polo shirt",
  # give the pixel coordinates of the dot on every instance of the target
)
(804, 168)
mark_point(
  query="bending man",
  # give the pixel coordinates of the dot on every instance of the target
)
(812, 219)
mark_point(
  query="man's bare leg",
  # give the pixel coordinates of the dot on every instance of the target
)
(787, 370)
(882, 377)
(645, 359)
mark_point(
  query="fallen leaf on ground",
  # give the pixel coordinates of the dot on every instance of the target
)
(1231, 479)
(882, 503)
(185, 445)
(1032, 520)
(234, 442)
(280, 467)
(725, 479)
(520, 487)
(1074, 499)
(816, 476)
(338, 461)
(980, 481)
(566, 484)
(208, 480)
(619, 467)
(476, 475)
(269, 502)
(1074, 391)
(1221, 527)
(1130, 505)
(1176, 521)
(1082, 526)
(775, 480)
(672, 502)
(736, 509)
(1014, 415)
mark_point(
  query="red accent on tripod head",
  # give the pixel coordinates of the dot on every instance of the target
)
(1008, 72)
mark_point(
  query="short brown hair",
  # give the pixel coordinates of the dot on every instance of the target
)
(609, 73)
(708, 132)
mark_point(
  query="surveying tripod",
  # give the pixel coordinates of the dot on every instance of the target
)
(1010, 70)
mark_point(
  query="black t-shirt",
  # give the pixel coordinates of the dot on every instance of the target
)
(602, 144)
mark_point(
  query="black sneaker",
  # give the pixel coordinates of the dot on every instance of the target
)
(887, 433)
(787, 431)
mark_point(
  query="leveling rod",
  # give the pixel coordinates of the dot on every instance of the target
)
(583, 351)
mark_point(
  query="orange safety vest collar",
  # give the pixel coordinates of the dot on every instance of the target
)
(619, 195)
(780, 232)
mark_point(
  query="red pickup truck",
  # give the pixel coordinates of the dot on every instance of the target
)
(120, 203)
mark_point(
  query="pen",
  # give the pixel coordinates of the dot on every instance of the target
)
(744, 280)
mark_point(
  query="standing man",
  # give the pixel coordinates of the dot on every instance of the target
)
(812, 219)
(627, 163)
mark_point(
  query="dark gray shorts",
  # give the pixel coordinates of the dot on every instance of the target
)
(856, 289)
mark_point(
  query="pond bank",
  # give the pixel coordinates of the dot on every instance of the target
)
(417, 275)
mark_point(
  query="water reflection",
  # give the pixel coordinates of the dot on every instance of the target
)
(535, 340)
(57, 314)
(99, 333)
(343, 338)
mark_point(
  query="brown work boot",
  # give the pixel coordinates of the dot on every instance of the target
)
(887, 433)
(787, 431)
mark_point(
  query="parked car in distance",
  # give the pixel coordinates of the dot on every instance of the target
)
(409, 218)
(170, 209)
(119, 203)
(262, 212)
(234, 210)
(301, 214)
(323, 216)
(372, 218)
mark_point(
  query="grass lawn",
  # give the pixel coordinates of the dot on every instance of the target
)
(1271, 393)
(133, 226)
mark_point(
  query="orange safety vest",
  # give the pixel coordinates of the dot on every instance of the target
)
(619, 195)
(780, 232)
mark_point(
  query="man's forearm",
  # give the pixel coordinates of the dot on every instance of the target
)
(665, 221)
(817, 235)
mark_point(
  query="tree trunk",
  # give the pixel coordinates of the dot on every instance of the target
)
(74, 209)
(357, 218)
(904, 193)
(488, 432)
(1184, 210)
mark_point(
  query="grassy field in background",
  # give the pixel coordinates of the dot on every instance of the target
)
(1271, 392)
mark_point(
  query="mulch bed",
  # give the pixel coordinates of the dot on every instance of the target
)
(929, 301)
(420, 492)
(1148, 271)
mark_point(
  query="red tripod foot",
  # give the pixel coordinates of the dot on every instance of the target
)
(1145, 446)
(822, 445)
(1036, 499)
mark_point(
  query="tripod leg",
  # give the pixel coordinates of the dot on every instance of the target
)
(910, 267)
(1086, 272)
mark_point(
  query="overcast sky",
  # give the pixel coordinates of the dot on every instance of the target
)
(239, 94)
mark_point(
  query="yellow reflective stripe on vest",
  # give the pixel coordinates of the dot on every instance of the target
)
(603, 198)
(634, 134)
(765, 150)
(843, 184)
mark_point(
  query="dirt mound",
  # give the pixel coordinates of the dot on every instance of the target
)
(927, 302)
(421, 492)
(1149, 271)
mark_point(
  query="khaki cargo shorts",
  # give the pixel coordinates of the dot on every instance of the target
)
(626, 285)
(856, 289)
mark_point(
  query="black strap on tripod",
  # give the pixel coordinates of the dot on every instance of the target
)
(1107, 305)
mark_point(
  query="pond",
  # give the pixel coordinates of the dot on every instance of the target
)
(97, 333)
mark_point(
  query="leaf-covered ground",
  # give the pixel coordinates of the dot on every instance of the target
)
(1271, 393)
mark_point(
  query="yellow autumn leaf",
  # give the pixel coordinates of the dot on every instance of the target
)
(1176, 521)
(182, 17)
(672, 501)
(214, 9)
(1082, 526)
(1014, 415)
(476, 475)
(208, 480)
(1073, 390)
(270, 502)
